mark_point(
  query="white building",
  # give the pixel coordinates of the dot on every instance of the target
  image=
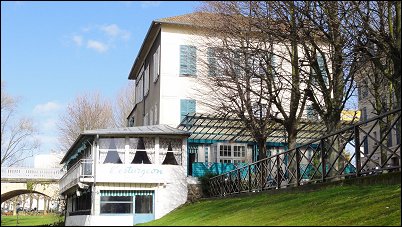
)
(166, 71)
(48, 161)
(125, 176)
(371, 147)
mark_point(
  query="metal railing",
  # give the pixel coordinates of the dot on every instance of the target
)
(82, 169)
(342, 154)
(31, 173)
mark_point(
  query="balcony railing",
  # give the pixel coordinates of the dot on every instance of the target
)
(31, 173)
(80, 171)
(342, 154)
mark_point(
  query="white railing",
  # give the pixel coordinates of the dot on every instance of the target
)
(81, 169)
(31, 173)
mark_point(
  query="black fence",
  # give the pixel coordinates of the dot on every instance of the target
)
(367, 148)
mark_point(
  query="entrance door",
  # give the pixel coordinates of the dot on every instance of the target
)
(144, 208)
(191, 160)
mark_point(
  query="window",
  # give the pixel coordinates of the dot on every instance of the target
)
(156, 59)
(365, 144)
(364, 114)
(143, 204)
(126, 202)
(146, 81)
(188, 60)
(259, 110)
(321, 64)
(212, 65)
(310, 112)
(139, 87)
(389, 139)
(131, 122)
(116, 205)
(151, 117)
(186, 106)
(225, 150)
(156, 114)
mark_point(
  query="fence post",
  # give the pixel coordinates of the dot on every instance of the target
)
(262, 174)
(230, 183)
(297, 167)
(222, 185)
(323, 163)
(278, 177)
(249, 178)
(239, 179)
(357, 150)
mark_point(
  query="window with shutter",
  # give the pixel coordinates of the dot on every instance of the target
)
(188, 60)
(321, 64)
(156, 60)
(186, 106)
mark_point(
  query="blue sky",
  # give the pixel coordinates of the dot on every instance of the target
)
(52, 51)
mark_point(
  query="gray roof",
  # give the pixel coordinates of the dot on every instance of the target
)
(135, 131)
(139, 130)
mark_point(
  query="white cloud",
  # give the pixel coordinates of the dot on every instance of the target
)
(78, 40)
(47, 108)
(97, 45)
(146, 4)
(113, 30)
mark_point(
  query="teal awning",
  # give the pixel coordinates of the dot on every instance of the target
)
(125, 192)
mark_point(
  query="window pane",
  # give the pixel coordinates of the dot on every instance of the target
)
(143, 204)
(116, 198)
(116, 208)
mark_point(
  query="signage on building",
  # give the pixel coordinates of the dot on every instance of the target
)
(350, 115)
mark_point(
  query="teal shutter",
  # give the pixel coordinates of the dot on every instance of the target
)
(183, 109)
(186, 106)
(191, 106)
(192, 64)
(273, 65)
(188, 60)
(212, 66)
(321, 64)
(183, 60)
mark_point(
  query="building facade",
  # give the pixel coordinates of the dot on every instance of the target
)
(167, 73)
(124, 176)
(375, 150)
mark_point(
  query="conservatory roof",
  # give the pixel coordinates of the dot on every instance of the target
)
(206, 128)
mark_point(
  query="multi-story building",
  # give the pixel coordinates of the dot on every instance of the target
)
(375, 154)
(167, 73)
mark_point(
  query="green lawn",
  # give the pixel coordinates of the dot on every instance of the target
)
(334, 205)
(30, 220)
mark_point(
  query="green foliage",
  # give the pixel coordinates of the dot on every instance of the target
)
(376, 205)
(31, 185)
(40, 220)
(205, 185)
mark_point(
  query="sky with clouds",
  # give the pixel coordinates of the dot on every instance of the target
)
(52, 51)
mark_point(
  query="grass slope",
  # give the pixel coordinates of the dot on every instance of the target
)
(334, 205)
(30, 220)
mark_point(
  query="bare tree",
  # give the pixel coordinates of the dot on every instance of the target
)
(85, 112)
(124, 104)
(248, 83)
(333, 65)
(379, 24)
(18, 141)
